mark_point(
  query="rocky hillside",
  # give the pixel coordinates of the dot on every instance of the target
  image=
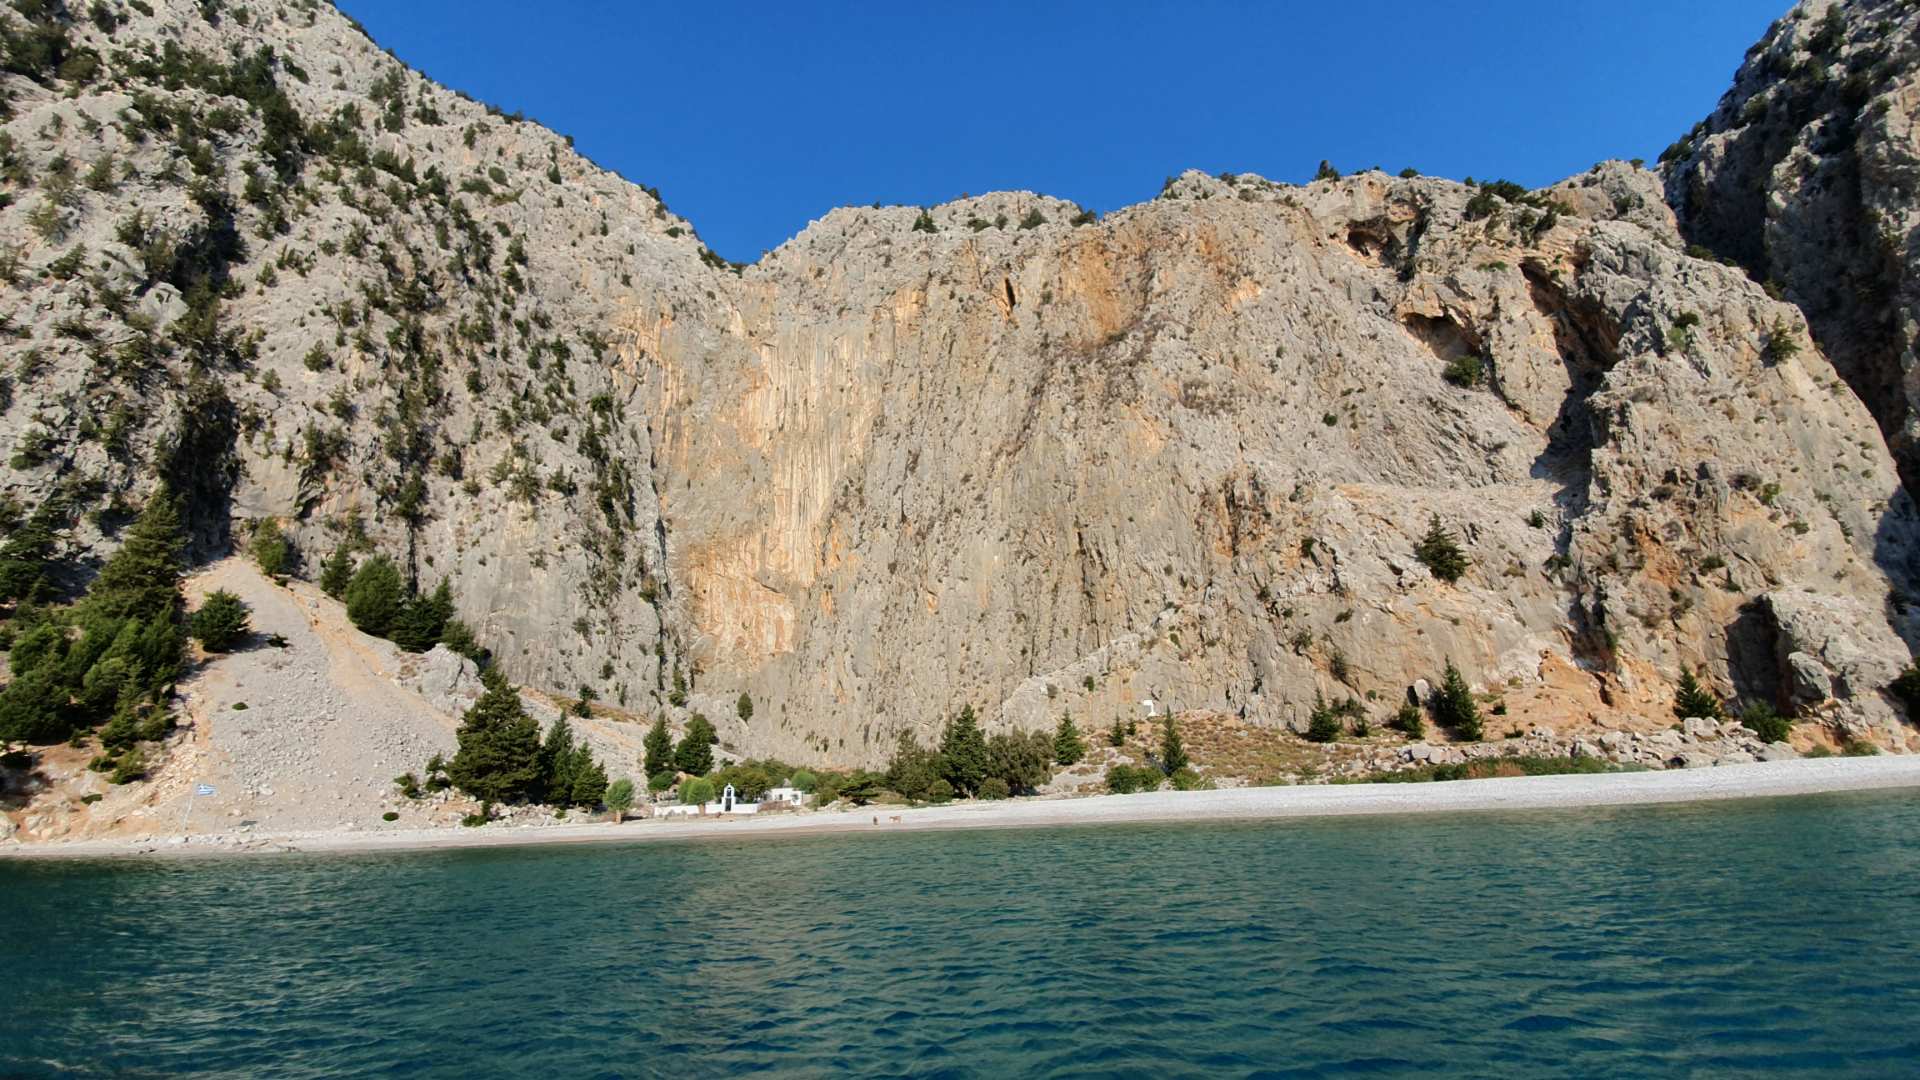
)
(1808, 176)
(994, 451)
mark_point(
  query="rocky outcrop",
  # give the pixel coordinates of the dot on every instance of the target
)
(1808, 176)
(996, 451)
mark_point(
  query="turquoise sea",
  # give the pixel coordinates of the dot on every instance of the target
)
(1767, 938)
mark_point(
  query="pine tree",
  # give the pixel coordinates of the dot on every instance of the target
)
(556, 764)
(221, 622)
(270, 549)
(1068, 746)
(35, 708)
(1453, 706)
(337, 573)
(963, 752)
(589, 780)
(1694, 700)
(694, 755)
(1441, 554)
(499, 745)
(914, 769)
(423, 619)
(658, 748)
(27, 555)
(375, 595)
(457, 637)
(1173, 753)
(1323, 723)
(142, 579)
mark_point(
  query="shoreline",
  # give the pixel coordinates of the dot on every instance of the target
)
(1759, 780)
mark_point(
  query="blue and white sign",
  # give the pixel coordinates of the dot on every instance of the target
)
(203, 789)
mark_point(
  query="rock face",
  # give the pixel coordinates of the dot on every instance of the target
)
(996, 451)
(1808, 175)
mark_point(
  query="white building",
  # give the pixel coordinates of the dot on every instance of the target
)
(726, 803)
(792, 796)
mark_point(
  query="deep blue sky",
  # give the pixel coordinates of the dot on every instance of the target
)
(753, 119)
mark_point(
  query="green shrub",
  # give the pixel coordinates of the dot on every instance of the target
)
(619, 796)
(1127, 779)
(804, 781)
(1781, 343)
(408, 784)
(1409, 722)
(375, 596)
(390, 815)
(696, 791)
(660, 781)
(131, 766)
(1034, 219)
(1764, 721)
(271, 550)
(1819, 752)
(1023, 760)
(939, 791)
(1188, 780)
(221, 623)
(1859, 748)
(993, 788)
(1323, 724)
(1466, 371)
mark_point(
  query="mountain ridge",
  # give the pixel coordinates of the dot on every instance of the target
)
(1028, 459)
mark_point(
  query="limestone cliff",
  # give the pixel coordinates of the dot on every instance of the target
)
(997, 451)
(1808, 175)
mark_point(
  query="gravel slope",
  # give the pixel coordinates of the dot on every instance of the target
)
(324, 731)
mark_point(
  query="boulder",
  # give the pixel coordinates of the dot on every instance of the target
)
(448, 681)
(1836, 648)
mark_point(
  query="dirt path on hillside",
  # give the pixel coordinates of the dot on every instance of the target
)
(302, 737)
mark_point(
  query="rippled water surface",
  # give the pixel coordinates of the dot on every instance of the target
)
(1776, 938)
